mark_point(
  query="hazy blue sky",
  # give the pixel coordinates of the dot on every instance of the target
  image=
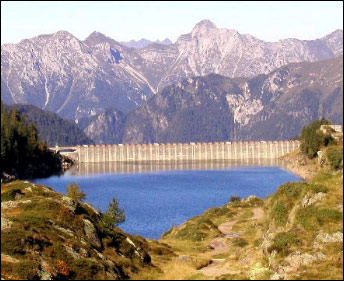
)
(123, 21)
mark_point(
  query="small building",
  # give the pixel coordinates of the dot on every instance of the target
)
(331, 129)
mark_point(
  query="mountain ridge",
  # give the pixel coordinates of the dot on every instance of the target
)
(80, 78)
(272, 106)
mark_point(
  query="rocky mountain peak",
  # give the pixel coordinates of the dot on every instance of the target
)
(97, 37)
(337, 32)
(63, 33)
(205, 24)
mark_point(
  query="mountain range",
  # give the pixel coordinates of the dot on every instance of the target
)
(101, 79)
(272, 106)
(144, 43)
(76, 78)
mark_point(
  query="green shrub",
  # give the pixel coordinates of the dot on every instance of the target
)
(280, 213)
(282, 242)
(328, 215)
(234, 198)
(307, 218)
(290, 189)
(316, 188)
(85, 269)
(12, 243)
(27, 269)
(74, 192)
(114, 214)
(217, 212)
(335, 157)
(196, 231)
(311, 218)
(312, 139)
(10, 195)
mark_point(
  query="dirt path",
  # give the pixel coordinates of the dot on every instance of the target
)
(220, 245)
(258, 214)
(214, 269)
(226, 228)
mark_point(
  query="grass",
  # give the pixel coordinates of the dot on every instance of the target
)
(24, 269)
(282, 242)
(41, 230)
(311, 218)
(240, 242)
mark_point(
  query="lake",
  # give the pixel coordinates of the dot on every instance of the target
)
(156, 196)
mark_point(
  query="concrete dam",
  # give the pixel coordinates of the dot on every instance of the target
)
(179, 151)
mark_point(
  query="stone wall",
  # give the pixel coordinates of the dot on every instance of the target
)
(185, 151)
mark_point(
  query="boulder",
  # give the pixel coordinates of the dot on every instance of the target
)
(91, 234)
(311, 199)
(70, 203)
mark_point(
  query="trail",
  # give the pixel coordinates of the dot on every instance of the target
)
(220, 245)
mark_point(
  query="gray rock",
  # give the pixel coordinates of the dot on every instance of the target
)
(5, 223)
(330, 238)
(311, 199)
(72, 252)
(297, 259)
(44, 275)
(70, 203)
(91, 234)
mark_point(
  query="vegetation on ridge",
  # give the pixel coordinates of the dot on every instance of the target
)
(22, 152)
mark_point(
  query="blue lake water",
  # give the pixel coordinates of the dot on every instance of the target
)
(155, 199)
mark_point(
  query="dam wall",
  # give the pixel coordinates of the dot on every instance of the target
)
(184, 151)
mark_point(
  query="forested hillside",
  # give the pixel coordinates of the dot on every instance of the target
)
(51, 128)
(22, 152)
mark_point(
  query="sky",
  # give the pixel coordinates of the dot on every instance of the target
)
(123, 21)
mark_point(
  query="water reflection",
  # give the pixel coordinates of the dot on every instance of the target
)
(155, 166)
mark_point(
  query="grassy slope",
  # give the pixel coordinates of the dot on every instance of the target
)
(46, 235)
(280, 237)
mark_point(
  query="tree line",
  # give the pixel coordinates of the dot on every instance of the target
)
(22, 153)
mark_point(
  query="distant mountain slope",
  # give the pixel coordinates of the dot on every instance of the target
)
(52, 128)
(144, 43)
(216, 108)
(105, 128)
(76, 79)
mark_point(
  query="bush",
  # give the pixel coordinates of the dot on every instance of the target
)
(74, 192)
(312, 139)
(282, 242)
(235, 198)
(328, 215)
(310, 217)
(316, 188)
(307, 218)
(280, 214)
(10, 195)
(290, 189)
(335, 157)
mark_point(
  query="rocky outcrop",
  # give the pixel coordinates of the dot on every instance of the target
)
(91, 234)
(330, 238)
(54, 237)
(309, 199)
